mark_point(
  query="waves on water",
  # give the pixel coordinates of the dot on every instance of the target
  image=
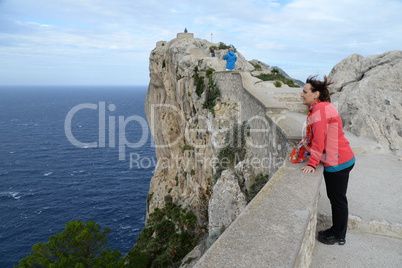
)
(46, 181)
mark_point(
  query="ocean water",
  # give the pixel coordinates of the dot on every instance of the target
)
(47, 179)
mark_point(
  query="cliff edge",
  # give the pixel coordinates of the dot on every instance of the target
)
(187, 134)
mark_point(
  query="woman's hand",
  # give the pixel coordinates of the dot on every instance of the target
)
(308, 169)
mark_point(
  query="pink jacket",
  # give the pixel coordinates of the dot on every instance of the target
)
(329, 144)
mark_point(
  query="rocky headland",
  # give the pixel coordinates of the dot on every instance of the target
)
(209, 162)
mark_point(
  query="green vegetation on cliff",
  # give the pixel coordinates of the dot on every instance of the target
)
(259, 181)
(222, 46)
(257, 67)
(277, 83)
(170, 234)
(212, 92)
(198, 82)
(234, 150)
(276, 76)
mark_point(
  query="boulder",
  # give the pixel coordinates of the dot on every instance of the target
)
(368, 94)
(226, 203)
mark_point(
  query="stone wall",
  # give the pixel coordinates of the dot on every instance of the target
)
(276, 229)
(185, 35)
(267, 141)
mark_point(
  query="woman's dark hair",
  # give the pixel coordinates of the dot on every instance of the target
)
(320, 86)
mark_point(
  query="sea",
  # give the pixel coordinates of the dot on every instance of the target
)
(72, 153)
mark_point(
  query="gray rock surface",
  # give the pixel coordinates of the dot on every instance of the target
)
(226, 203)
(368, 95)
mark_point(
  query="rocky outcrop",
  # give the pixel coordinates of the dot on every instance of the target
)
(227, 202)
(368, 94)
(187, 136)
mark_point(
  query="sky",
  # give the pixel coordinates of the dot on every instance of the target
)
(104, 42)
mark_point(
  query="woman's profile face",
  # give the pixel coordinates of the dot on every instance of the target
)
(307, 95)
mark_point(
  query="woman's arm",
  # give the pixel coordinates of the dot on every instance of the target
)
(319, 126)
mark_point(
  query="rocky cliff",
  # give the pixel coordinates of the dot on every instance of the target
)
(186, 133)
(200, 131)
(368, 93)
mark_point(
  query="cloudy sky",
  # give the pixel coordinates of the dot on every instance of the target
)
(108, 42)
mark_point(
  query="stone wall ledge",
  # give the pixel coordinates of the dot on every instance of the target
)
(272, 230)
(290, 124)
(185, 35)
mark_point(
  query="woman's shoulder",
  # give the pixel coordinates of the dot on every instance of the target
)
(324, 105)
(327, 107)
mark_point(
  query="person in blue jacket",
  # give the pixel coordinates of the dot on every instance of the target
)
(230, 60)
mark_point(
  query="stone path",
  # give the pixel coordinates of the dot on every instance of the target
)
(374, 238)
(362, 250)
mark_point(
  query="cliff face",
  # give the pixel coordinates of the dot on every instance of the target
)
(186, 134)
(368, 93)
